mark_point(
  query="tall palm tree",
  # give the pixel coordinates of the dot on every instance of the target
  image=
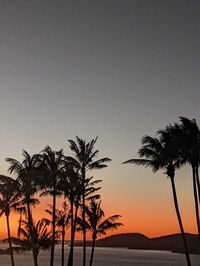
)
(42, 237)
(9, 198)
(52, 162)
(84, 160)
(161, 153)
(71, 186)
(95, 223)
(188, 138)
(27, 172)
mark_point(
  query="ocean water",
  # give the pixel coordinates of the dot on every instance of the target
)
(107, 257)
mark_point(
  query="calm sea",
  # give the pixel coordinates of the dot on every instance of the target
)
(108, 257)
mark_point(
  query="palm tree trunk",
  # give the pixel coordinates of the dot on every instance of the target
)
(92, 251)
(83, 217)
(75, 220)
(19, 226)
(180, 221)
(196, 200)
(198, 182)
(75, 216)
(30, 223)
(71, 255)
(9, 240)
(53, 228)
(70, 258)
(63, 246)
(35, 258)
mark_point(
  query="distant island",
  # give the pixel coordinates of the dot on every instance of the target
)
(172, 242)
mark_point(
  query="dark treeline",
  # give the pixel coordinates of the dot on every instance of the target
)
(52, 173)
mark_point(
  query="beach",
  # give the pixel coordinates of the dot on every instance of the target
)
(107, 257)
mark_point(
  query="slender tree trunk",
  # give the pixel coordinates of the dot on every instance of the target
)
(92, 251)
(198, 182)
(63, 245)
(20, 222)
(70, 258)
(75, 217)
(30, 223)
(70, 263)
(9, 240)
(83, 217)
(35, 258)
(180, 221)
(53, 228)
(75, 220)
(196, 201)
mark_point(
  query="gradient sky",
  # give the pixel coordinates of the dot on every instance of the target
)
(113, 69)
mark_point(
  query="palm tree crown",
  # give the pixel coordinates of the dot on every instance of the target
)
(42, 236)
(158, 154)
(95, 223)
(85, 155)
(26, 172)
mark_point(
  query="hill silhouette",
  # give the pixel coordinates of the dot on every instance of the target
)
(172, 243)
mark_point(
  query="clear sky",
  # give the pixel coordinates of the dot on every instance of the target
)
(113, 69)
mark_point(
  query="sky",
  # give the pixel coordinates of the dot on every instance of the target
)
(116, 69)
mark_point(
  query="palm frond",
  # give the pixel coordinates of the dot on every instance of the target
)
(15, 166)
(99, 164)
(73, 146)
(142, 162)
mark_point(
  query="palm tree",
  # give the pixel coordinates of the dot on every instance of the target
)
(42, 237)
(52, 162)
(161, 153)
(95, 223)
(84, 160)
(9, 193)
(27, 172)
(62, 221)
(72, 187)
(188, 138)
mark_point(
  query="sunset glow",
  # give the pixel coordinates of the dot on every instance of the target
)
(107, 90)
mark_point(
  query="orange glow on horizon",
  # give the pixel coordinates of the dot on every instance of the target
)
(152, 223)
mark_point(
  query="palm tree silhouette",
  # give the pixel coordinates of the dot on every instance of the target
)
(161, 153)
(26, 173)
(72, 187)
(41, 234)
(188, 138)
(52, 162)
(9, 193)
(95, 223)
(84, 160)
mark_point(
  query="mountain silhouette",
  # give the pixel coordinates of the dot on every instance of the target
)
(172, 242)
